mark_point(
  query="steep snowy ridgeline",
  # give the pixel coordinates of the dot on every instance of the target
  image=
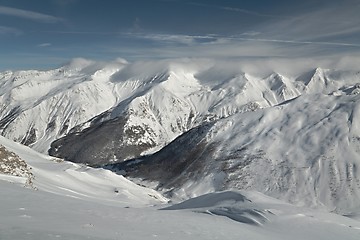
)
(326, 80)
(177, 98)
(305, 151)
(54, 176)
(36, 107)
(39, 107)
(145, 122)
(106, 112)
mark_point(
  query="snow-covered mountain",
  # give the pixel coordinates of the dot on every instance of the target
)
(293, 137)
(38, 107)
(305, 151)
(118, 111)
(180, 98)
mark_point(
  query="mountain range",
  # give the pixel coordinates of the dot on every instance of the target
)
(189, 127)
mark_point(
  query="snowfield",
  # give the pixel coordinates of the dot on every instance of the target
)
(70, 201)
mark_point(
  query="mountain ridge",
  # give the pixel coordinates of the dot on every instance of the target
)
(186, 122)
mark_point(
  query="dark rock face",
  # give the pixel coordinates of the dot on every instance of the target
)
(183, 159)
(99, 144)
(5, 121)
(29, 138)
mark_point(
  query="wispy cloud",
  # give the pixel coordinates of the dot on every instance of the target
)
(225, 8)
(234, 9)
(327, 23)
(136, 24)
(217, 39)
(64, 3)
(173, 38)
(319, 29)
(35, 16)
(9, 31)
(79, 32)
(216, 46)
(44, 45)
(298, 42)
(251, 33)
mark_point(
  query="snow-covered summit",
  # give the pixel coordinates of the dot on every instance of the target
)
(146, 104)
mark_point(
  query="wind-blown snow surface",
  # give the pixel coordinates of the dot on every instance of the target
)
(70, 201)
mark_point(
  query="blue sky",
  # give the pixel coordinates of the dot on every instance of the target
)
(46, 33)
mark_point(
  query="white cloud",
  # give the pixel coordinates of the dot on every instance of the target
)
(325, 24)
(309, 33)
(79, 32)
(15, 12)
(234, 9)
(44, 45)
(9, 31)
(136, 24)
(173, 38)
(299, 42)
(250, 33)
(172, 45)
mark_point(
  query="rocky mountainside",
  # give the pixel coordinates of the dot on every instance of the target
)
(11, 164)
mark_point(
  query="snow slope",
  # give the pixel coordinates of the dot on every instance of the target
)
(69, 201)
(77, 181)
(305, 151)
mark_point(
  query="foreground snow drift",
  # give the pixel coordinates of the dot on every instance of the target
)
(230, 204)
(41, 215)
